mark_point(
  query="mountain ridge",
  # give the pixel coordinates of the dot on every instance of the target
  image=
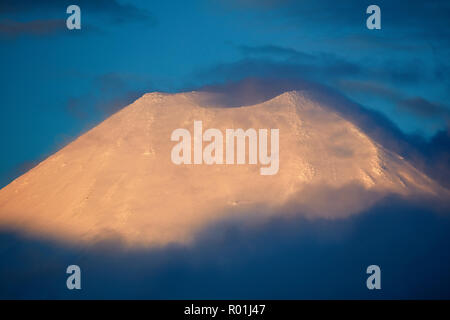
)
(117, 180)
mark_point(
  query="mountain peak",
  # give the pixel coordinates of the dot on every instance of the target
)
(118, 180)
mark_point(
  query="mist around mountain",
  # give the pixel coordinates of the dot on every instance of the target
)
(286, 258)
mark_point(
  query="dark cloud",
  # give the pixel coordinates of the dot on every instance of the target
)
(272, 60)
(286, 258)
(253, 90)
(48, 17)
(119, 12)
(272, 50)
(26, 6)
(417, 106)
(35, 27)
(265, 4)
(434, 156)
(370, 87)
(372, 76)
(401, 71)
(373, 41)
(329, 66)
(415, 17)
(424, 108)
